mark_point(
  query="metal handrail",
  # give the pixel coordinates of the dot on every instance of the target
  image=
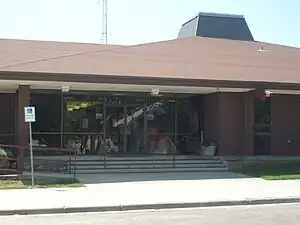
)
(69, 165)
(104, 159)
(37, 148)
(22, 148)
(74, 169)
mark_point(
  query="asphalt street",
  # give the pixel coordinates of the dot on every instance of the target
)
(246, 215)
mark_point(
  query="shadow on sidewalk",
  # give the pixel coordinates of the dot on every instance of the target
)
(144, 177)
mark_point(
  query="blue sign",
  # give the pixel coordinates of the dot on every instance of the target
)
(29, 111)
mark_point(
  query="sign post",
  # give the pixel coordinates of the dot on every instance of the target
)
(30, 118)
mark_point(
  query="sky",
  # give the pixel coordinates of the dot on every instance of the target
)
(141, 21)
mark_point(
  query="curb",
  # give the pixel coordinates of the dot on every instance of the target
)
(147, 206)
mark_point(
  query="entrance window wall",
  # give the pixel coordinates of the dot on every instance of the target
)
(124, 124)
(116, 123)
(47, 128)
(82, 122)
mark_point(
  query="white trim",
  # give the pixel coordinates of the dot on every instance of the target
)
(10, 86)
(285, 92)
(75, 86)
(7, 92)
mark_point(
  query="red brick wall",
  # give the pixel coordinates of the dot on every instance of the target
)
(227, 120)
(22, 100)
(22, 132)
(232, 123)
(285, 125)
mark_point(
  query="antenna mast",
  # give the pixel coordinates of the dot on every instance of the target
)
(104, 21)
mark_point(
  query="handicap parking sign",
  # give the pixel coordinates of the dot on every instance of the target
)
(29, 114)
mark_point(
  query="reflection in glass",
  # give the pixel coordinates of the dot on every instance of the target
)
(262, 109)
(188, 132)
(262, 126)
(85, 144)
(40, 141)
(135, 130)
(115, 129)
(82, 113)
(47, 128)
(262, 118)
(124, 123)
(133, 123)
(83, 123)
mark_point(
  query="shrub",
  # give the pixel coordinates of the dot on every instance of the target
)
(3, 153)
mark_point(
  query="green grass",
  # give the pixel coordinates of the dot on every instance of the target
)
(272, 171)
(40, 182)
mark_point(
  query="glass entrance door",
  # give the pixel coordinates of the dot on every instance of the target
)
(115, 133)
(135, 129)
(124, 124)
(161, 125)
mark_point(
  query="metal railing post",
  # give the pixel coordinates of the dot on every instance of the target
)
(173, 160)
(69, 164)
(74, 169)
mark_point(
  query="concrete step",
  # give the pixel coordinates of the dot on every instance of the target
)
(148, 162)
(141, 166)
(151, 170)
(147, 158)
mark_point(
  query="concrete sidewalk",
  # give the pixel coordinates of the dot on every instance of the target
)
(174, 191)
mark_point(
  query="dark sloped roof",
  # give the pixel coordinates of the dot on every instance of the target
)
(187, 58)
(213, 25)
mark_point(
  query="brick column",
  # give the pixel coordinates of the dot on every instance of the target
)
(228, 119)
(22, 132)
(233, 121)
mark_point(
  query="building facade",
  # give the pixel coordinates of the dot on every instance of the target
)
(125, 122)
(168, 97)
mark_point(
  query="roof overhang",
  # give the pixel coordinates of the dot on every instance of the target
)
(12, 86)
(93, 79)
(9, 86)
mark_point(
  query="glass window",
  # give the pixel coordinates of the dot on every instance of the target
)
(44, 140)
(161, 112)
(119, 122)
(7, 119)
(81, 113)
(262, 111)
(83, 122)
(188, 132)
(48, 112)
(47, 128)
(262, 115)
(125, 122)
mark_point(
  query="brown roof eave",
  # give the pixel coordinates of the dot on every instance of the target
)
(115, 79)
